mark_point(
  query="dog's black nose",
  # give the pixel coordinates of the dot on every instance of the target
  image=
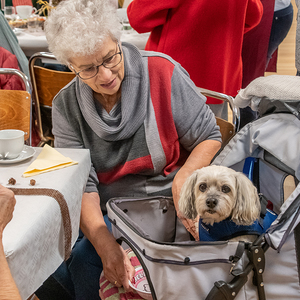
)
(211, 202)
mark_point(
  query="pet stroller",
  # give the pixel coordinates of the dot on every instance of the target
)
(178, 268)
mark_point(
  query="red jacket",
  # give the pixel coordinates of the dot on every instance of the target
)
(8, 82)
(205, 36)
(255, 47)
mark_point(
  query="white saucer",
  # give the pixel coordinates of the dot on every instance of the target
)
(18, 31)
(26, 153)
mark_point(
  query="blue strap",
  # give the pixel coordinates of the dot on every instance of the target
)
(249, 167)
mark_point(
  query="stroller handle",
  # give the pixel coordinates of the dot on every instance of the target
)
(229, 99)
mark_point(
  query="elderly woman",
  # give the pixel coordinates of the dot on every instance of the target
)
(140, 115)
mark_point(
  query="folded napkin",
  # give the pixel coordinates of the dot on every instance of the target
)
(48, 160)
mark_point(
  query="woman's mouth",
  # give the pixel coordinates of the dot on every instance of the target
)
(110, 85)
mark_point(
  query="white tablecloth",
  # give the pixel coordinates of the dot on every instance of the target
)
(36, 42)
(32, 42)
(34, 239)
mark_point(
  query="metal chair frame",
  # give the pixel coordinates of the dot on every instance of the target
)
(18, 99)
(44, 138)
(229, 99)
(227, 129)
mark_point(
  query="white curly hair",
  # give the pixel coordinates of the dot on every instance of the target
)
(79, 27)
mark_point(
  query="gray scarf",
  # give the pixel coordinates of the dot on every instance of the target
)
(134, 95)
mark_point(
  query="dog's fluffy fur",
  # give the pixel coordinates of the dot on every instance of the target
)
(216, 193)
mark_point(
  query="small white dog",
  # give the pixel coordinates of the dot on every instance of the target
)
(218, 193)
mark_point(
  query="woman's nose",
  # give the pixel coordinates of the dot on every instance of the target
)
(104, 73)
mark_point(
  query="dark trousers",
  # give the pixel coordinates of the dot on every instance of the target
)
(78, 277)
(282, 22)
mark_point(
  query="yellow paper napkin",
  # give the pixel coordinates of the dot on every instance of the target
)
(48, 160)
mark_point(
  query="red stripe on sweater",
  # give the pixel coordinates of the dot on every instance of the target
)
(160, 74)
(134, 166)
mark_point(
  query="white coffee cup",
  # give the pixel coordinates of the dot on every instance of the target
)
(25, 11)
(11, 143)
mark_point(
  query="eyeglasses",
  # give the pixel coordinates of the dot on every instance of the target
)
(108, 63)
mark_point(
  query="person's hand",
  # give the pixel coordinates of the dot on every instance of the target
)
(117, 267)
(190, 225)
(7, 204)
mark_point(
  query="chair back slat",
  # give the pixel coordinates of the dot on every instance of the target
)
(46, 84)
(227, 130)
(49, 83)
(15, 111)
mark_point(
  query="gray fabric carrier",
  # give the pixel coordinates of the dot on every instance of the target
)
(178, 268)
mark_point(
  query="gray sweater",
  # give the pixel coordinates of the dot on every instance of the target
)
(138, 147)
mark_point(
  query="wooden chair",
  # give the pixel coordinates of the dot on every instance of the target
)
(46, 84)
(227, 128)
(15, 106)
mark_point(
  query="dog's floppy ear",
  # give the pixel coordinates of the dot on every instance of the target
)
(247, 206)
(187, 197)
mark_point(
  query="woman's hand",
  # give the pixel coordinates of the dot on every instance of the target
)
(117, 267)
(191, 226)
(116, 264)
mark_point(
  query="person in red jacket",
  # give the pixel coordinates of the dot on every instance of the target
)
(205, 37)
(9, 82)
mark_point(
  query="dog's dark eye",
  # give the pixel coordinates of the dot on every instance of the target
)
(226, 189)
(203, 187)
